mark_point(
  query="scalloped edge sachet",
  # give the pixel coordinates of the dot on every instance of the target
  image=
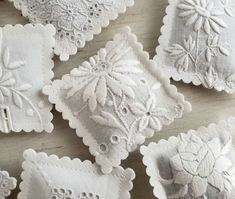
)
(196, 43)
(75, 21)
(116, 100)
(54, 178)
(7, 184)
(25, 68)
(199, 164)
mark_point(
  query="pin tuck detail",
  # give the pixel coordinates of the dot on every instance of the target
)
(53, 178)
(25, 53)
(116, 100)
(196, 44)
(76, 21)
(198, 165)
(7, 184)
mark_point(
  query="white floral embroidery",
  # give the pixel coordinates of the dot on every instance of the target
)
(9, 87)
(201, 14)
(76, 21)
(105, 71)
(149, 114)
(200, 50)
(198, 165)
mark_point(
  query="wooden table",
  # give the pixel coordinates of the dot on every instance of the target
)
(145, 19)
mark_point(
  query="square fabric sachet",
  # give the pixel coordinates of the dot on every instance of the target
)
(76, 21)
(200, 164)
(116, 99)
(197, 43)
(53, 178)
(25, 67)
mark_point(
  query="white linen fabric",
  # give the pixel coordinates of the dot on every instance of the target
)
(197, 43)
(76, 21)
(116, 99)
(25, 67)
(200, 164)
(53, 178)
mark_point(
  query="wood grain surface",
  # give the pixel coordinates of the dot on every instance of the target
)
(145, 19)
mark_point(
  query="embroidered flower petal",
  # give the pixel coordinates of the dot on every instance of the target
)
(90, 89)
(101, 91)
(216, 180)
(143, 124)
(138, 109)
(199, 186)
(155, 124)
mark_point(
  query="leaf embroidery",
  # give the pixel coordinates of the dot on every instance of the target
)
(106, 119)
(201, 48)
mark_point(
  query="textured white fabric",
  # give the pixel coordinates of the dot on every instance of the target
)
(76, 21)
(48, 177)
(7, 184)
(197, 43)
(116, 100)
(199, 165)
(25, 67)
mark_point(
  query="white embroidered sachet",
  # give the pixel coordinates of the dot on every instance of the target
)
(197, 43)
(200, 164)
(53, 178)
(76, 21)
(25, 67)
(7, 184)
(116, 99)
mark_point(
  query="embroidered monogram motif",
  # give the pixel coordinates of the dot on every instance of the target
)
(202, 50)
(75, 20)
(64, 178)
(22, 107)
(116, 99)
(196, 165)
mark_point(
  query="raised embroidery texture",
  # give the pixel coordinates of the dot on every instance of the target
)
(64, 178)
(76, 21)
(19, 93)
(197, 165)
(7, 184)
(202, 53)
(115, 100)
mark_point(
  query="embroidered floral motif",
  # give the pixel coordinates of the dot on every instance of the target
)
(201, 49)
(104, 72)
(201, 14)
(75, 20)
(6, 184)
(10, 89)
(198, 165)
(116, 99)
(149, 114)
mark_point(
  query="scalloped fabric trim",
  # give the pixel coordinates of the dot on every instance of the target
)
(116, 100)
(76, 21)
(199, 50)
(168, 177)
(7, 184)
(52, 177)
(26, 52)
